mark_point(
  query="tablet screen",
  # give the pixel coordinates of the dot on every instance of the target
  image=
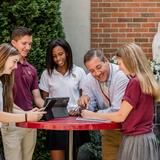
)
(49, 103)
(60, 107)
(55, 107)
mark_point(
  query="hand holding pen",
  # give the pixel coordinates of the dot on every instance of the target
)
(83, 101)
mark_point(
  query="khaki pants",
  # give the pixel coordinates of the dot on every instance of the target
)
(18, 143)
(111, 140)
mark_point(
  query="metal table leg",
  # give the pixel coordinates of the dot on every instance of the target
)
(70, 145)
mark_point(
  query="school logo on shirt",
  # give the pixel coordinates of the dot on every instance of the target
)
(29, 72)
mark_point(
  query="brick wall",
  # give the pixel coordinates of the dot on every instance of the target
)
(115, 22)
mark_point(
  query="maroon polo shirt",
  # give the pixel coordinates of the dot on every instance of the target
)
(26, 80)
(140, 119)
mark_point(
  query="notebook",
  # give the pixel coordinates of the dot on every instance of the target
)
(55, 107)
(93, 120)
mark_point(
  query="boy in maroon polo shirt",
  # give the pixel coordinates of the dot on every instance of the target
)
(19, 143)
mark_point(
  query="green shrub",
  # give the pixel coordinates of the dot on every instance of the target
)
(40, 152)
(42, 16)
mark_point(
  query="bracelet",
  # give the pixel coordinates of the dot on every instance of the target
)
(26, 117)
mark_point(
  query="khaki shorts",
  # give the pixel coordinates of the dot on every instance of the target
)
(111, 140)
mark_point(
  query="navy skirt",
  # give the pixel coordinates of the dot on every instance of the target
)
(58, 140)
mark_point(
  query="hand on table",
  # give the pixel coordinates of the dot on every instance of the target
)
(34, 116)
(87, 114)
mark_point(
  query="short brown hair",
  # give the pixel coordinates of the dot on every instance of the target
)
(94, 53)
(20, 32)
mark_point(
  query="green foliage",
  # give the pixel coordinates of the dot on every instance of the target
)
(40, 152)
(42, 16)
(95, 145)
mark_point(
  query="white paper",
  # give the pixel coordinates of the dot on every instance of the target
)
(92, 119)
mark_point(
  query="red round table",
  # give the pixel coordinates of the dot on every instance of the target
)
(70, 124)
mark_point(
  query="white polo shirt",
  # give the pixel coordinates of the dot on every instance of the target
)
(68, 85)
